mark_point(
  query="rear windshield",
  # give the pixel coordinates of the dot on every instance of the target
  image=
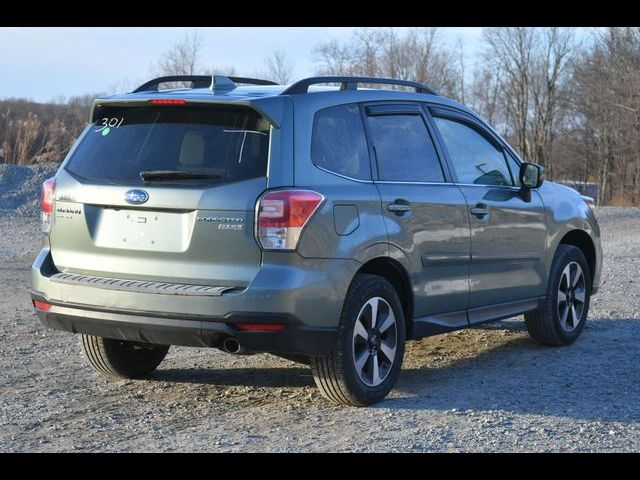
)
(227, 143)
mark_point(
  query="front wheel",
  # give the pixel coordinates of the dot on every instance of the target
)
(366, 359)
(562, 316)
(122, 358)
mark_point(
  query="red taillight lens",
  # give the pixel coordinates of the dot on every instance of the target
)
(167, 101)
(287, 208)
(41, 305)
(46, 195)
(46, 204)
(282, 214)
(261, 327)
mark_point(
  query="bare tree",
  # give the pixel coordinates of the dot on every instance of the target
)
(183, 58)
(548, 79)
(419, 54)
(228, 71)
(531, 67)
(279, 67)
(606, 106)
(484, 94)
(334, 58)
(509, 52)
(461, 63)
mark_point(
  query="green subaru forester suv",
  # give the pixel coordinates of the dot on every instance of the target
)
(325, 224)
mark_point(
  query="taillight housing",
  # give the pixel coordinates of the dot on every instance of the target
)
(46, 204)
(282, 215)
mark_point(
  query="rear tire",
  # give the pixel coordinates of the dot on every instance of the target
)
(561, 318)
(359, 371)
(122, 358)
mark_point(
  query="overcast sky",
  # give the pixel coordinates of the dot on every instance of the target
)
(44, 63)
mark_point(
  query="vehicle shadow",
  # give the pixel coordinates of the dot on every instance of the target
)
(491, 367)
(279, 377)
(596, 378)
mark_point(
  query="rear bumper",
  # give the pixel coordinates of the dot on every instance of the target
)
(194, 331)
(304, 294)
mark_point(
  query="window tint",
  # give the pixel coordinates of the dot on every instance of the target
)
(229, 142)
(404, 149)
(515, 169)
(475, 159)
(338, 143)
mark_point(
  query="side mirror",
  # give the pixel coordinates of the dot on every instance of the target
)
(531, 175)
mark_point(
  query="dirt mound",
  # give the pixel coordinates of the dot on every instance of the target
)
(20, 188)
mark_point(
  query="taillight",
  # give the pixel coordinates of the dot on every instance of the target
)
(46, 203)
(282, 214)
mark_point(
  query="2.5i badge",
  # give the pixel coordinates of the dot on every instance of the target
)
(224, 223)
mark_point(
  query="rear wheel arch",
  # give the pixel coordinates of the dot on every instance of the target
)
(396, 274)
(582, 240)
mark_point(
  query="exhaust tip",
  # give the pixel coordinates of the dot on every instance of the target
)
(231, 345)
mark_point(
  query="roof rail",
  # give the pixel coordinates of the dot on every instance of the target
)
(351, 83)
(215, 82)
(252, 81)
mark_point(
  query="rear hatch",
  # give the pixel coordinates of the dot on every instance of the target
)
(163, 193)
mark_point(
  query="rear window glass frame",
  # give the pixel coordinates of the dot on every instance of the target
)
(262, 149)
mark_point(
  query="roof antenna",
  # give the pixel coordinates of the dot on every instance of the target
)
(221, 83)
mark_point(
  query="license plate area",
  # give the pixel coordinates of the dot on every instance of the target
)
(133, 229)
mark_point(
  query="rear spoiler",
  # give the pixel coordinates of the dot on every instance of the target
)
(212, 82)
(145, 101)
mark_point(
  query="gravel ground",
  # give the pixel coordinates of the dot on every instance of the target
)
(19, 187)
(484, 389)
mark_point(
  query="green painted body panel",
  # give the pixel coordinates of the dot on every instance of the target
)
(434, 239)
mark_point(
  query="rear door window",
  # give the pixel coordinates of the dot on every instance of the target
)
(227, 143)
(404, 149)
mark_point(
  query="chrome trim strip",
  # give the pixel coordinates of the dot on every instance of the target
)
(138, 286)
(341, 176)
(394, 182)
(509, 187)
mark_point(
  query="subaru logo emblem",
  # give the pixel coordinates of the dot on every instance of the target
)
(136, 196)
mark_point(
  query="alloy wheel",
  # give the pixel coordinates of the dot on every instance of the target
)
(374, 341)
(571, 296)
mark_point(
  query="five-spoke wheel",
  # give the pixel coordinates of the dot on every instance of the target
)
(571, 296)
(375, 341)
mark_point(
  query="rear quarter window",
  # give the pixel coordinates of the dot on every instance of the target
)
(230, 143)
(338, 142)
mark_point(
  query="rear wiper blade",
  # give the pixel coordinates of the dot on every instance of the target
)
(175, 175)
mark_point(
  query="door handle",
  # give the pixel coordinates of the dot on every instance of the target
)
(480, 210)
(399, 207)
